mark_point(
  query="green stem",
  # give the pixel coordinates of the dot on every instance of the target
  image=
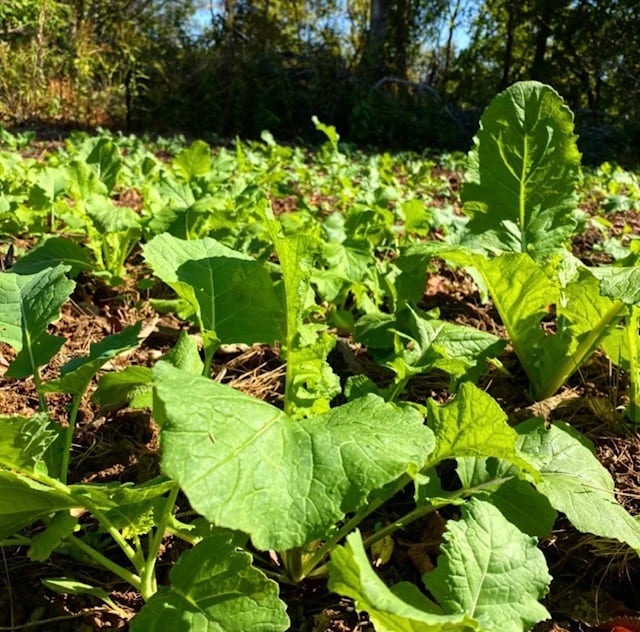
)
(402, 522)
(68, 439)
(292, 561)
(398, 387)
(81, 500)
(428, 508)
(522, 197)
(116, 569)
(42, 400)
(210, 349)
(633, 321)
(149, 584)
(134, 556)
(572, 362)
(318, 556)
(16, 540)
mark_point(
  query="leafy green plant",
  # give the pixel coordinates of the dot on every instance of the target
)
(553, 327)
(623, 344)
(520, 196)
(279, 493)
(411, 342)
(519, 190)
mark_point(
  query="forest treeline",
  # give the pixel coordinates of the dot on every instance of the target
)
(392, 73)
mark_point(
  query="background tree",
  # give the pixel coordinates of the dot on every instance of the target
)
(399, 73)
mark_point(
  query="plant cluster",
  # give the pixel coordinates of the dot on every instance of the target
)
(281, 493)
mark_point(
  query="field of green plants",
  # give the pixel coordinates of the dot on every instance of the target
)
(264, 388)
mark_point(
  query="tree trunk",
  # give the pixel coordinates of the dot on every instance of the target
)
(543, 20)
(373, 64)
(505, 79)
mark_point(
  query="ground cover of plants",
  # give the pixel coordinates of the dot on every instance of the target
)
(263, 387)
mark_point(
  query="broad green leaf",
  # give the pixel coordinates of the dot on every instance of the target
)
(130, 387)
(490, 571)
(133, 386)
(417, 218)
(48, 185)
(67, 586)
(415, 342)
(134, 510)
(622, 284)
(347, 264)
(402, 608)
(193, 161)
(28, 305)
(575, 482)
(23, 501)
(184, 355)
(44, 543)
(118, 495)
(214, 588)
(473, 424)
(232, 293)
(460, 351)
(84, 181)
(24, 441)
(51, 252)
(517, 499)
(109, 218)
(526, 296)
(328, 130)
(520, 183)
(246, 465)
(76, 374)
(106, 161)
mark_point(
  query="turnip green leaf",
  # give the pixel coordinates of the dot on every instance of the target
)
(133, 386)
(622, 284)
(490, 570)
(23, 501)
(414, 342)
(106, 161)
(246, 465)
(526, 295)
(29, 304)
(522, 174)
(43, 544)
(76, 375)
(24, 441)
(51, 252)
(402, 608)
(575, 482)
(231, 293)
(517, 499)
(214, 588)
(130, 387)
(193, 161)
(310, 383)
(473, 424)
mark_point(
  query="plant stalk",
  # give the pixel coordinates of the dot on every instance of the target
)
(116, 569)
(572, 362)
(68, 438)
(633, 321)
(148, 585)
(317, 557)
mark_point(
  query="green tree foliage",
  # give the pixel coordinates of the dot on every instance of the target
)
(393, 72)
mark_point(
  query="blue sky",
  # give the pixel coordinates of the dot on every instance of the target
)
(202, 19)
